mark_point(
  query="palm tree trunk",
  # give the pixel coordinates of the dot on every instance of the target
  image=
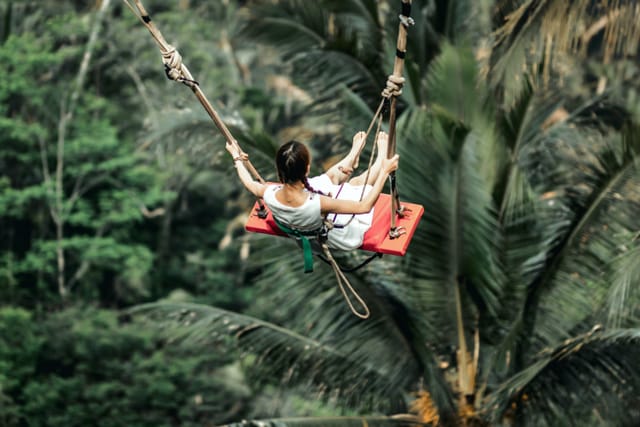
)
(466, 367)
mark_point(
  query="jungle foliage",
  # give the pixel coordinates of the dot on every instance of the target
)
(130, 295)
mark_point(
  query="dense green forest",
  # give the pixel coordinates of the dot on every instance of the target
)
(130, 294)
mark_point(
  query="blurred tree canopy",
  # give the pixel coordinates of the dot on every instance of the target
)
(131, 296)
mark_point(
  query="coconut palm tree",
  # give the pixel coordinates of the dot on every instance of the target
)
(558, 39)
(515, 304)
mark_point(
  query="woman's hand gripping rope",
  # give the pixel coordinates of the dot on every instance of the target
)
(256, 188)
(236, 152)
(390, 165)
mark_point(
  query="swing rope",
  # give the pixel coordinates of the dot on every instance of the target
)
(176, 70)
(393, 89)
(377, 116)
(390, 93)
(344, 284)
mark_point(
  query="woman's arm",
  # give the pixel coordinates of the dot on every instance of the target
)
(255, 187)
(329, 205)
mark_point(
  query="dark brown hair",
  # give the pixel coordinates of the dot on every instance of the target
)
(292, 163)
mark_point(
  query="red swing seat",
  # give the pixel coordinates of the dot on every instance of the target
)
(376, 239)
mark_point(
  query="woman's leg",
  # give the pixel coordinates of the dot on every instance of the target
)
(382, 145)
(341, 171)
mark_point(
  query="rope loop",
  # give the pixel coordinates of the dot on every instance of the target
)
(406, 21)
(172, 61)
(328, 224)
(394, 86)
(325, 228)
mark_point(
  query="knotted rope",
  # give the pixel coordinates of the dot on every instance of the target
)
(390, 93)
(172, 61)
(393, 87)
(176, 70)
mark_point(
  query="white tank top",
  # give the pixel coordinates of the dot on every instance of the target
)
(308, 216)
(305, 217)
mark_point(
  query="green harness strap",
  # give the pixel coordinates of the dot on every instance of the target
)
(343, 282)
(307, 253)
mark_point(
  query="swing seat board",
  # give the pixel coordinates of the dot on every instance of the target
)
(376, 239)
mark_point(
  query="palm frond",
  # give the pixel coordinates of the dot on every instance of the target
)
(290, 26)
(541, 36)
(326, 73)
(585, 226)
(186, 130)
(537, 131)
(622, 301)
(432, 296)
(313, 305)
(454, 245)
(355, 111)
(328, 45)
(524, 129)
(452, 84)
(347, 373)
(465, 22)
(527, 135)
(364, 421)
(594, 374)
(358, 21)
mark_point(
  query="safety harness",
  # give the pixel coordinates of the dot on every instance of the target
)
(304, 236)
(320, 235)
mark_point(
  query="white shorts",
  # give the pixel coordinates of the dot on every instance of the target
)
(352, 235)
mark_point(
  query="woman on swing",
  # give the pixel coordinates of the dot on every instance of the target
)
(301, 203)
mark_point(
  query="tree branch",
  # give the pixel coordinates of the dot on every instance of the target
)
(80, 191)
(84, 267)
(47, 179)
(66, 115)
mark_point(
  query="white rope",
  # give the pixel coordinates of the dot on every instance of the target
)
(172, 61)
(344, 284)
(394, 86)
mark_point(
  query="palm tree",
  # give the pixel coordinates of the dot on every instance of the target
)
(557, 39)
(516, 303)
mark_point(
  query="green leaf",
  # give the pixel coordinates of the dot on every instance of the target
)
(596, 371)
(364, 421)
(344, 372)
(622, 296)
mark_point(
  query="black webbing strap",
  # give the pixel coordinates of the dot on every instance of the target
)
(354, 268)
(406, 9)
(405, 14)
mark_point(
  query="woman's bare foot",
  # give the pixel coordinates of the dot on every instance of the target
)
(359, 140)
(342, 170)
(382, 142)
(370, 176)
